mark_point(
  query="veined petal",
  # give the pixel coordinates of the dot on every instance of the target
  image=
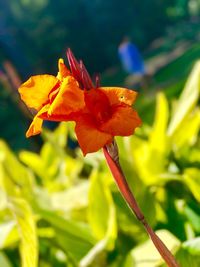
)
(123, 121)
(89, 137)
(34, 92)
(97, 103)
(117, 95)
(70, 98)
(56, 117)
(36, 125)
(63, 71)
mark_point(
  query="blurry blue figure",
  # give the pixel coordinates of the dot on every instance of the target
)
(131, 58)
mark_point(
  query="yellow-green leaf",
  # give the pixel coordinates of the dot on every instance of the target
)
(187, 100)
(27, 232)
(102, 217)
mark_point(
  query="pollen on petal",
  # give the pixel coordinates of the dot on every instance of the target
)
(117, 95)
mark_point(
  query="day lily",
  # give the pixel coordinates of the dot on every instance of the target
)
(100, 113)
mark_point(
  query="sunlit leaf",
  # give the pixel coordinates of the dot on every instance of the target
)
(20, 176)
(189, 253)
(158, 139)
(191, 178)
(67, 200)
(155, 148)
(33, 161)
(73, 228)
(187, 133)
(27, 232)
(61, 134)
(8, 234)
(96, 255)
(3, 197)
(101, 214)
(127, 222)
(188, 99)
(146, 255)
(74, 237)
(102, 219)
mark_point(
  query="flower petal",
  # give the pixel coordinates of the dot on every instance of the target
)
(70, 98)
(35, 127)
(57, 117)
(97, 104)
(62, 70)
(117, 95)
(123, 121)
(89, 137)
(34, 92)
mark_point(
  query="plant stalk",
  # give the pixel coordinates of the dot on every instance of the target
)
(112, 158)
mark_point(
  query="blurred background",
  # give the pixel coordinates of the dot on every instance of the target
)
(48, 206)
(33, 35)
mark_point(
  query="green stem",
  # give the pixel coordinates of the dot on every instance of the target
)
(111, 155)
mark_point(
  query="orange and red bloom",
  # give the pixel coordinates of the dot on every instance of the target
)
(100, 113)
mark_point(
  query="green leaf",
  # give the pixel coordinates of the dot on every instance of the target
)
(58, 137)
(146, 255)
(34, 162)
(101, 211)
(27, 232)
(8, 234)
(57, 171)
(102, 218)
(73, 237)
(187, 100)
(156, 148)
(61, 133)
(73, 228)
(128, 223)
(4, 261)
(185, 135)
(96, 256)
(3, 196)
(68, 201)
(191, 179)
(158, 140)
(192, 217)
(17, 174)
(73, 246)
(188, 254)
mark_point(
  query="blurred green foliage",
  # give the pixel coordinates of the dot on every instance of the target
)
(13, 131)
(34, 33)
(60, 209)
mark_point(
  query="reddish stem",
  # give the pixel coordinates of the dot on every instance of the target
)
(113, 163)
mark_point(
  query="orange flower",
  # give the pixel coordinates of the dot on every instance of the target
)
(100, 113)
(107, 113)
(53, 98)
